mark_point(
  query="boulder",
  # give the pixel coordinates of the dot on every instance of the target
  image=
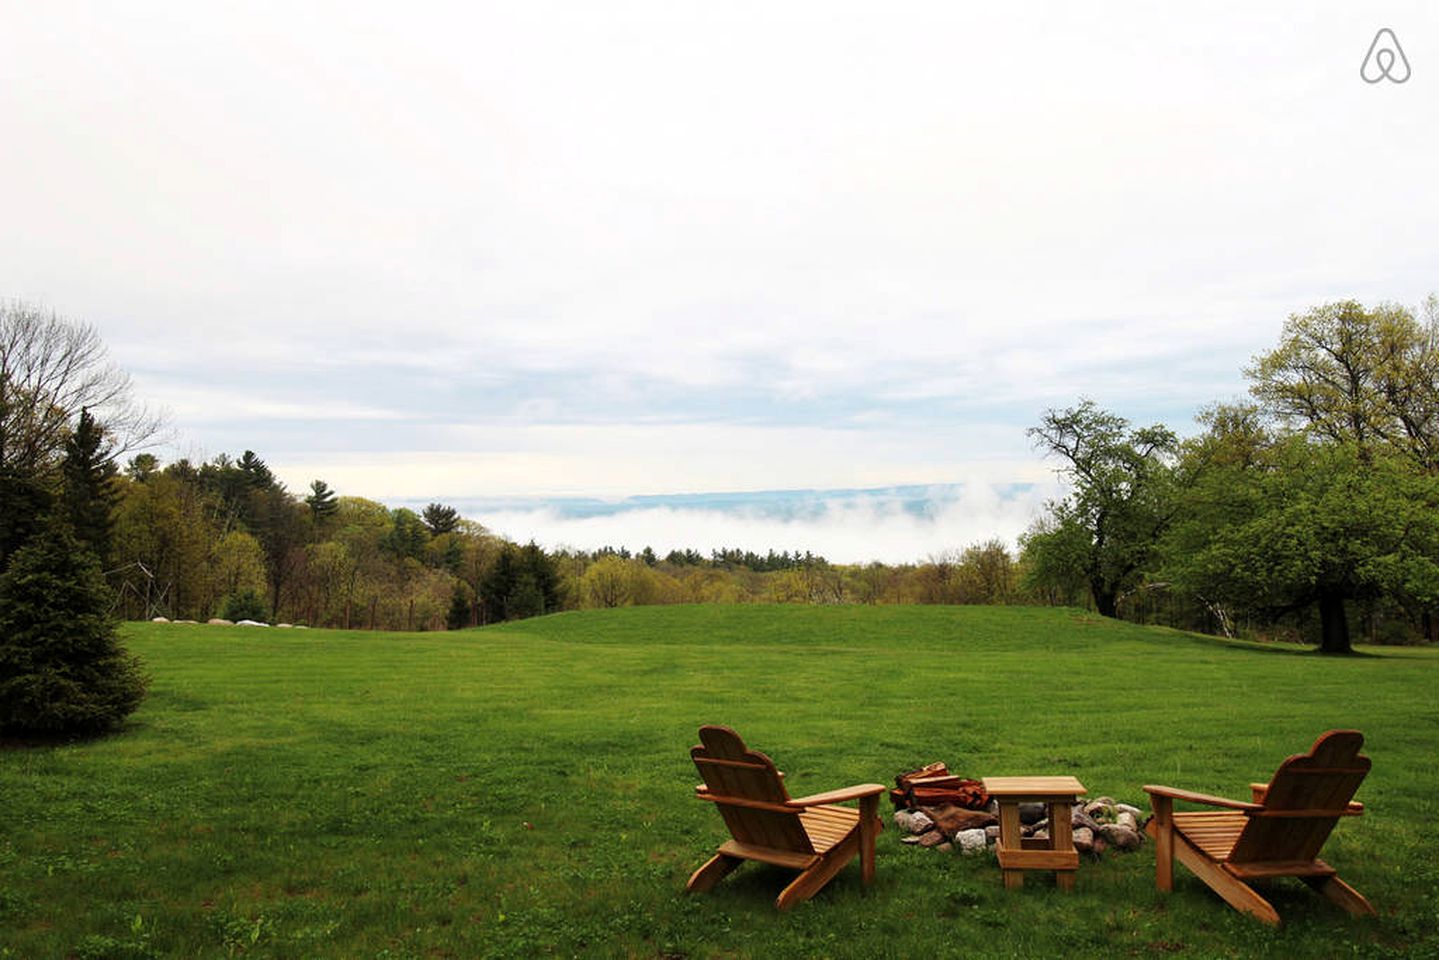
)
(971, 841)
(1084, 840)
(1100, 810)
(1129, 808)
(913, 821)
(909, 838)
(220, 622)
(159, 619)
(1127, 819)
(991, 834)
(932, 839)
(1031, 812)
(1084, 820)
(284, 626)
(250, 623)
(1124, 838)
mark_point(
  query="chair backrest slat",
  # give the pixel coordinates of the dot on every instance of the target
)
(731, 770)
(1323, 780)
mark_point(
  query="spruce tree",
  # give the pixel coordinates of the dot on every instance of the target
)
(440, 518)
(62, 667)
(88, 494)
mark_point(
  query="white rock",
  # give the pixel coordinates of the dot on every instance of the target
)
(913, 821)
(284, 626)
(1127, 819)
(250, 623)
(159, 619)
(971, 841)
(220, 622)
(1129, 808)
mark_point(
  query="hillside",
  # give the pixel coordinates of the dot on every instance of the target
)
(525, 788)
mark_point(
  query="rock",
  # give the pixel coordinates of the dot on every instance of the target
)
(913, 821)
(932, 839)
(184, 621)
(945, 847)
(1129, 808)
(971, 841)
(1125, 838)
(992, 807)
(284, 626)
(159, 619)
(911, 838)
(1031, 812)
(1082, 819)
(1041, 834)
(1099, 810)
(1084, 840)
(1107, 801)
(220, 622)
(991, 834)
(1127, 819)
(250, 623)
(1100, 845)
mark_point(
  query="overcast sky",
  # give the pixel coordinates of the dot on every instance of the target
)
(608, 249)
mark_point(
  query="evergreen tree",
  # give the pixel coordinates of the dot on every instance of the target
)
(23, 501)
(62, 668)
(88, 491)
(255, 471)
(322, 501)
(440, 518)
(458, 616)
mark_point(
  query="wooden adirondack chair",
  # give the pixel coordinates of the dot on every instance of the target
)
(809, 834)
(1279, 834)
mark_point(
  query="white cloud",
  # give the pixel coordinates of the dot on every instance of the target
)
(844, 531)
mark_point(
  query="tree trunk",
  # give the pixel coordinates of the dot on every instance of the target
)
(1106, 600)
(1333, 625)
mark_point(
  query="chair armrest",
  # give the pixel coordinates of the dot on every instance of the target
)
(1258, 790)
(1205, 798)
(839, 796)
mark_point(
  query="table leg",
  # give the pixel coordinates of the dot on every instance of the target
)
(1061, 837)
(1011, 838)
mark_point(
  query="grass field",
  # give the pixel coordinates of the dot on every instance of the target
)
(525, 789)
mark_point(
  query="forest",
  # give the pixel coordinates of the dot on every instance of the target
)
(1308, 510)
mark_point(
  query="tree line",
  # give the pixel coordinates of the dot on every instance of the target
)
(1308, 510)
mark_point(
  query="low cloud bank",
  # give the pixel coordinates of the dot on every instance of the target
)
(844, 528)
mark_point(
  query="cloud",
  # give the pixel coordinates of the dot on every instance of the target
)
(848, 529)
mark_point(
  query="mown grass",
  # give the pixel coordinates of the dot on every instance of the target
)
(525, 789)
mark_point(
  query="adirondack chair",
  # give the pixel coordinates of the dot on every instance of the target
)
(1278, 834)
(809, 834)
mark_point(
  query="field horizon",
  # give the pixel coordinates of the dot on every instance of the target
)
(525, 789)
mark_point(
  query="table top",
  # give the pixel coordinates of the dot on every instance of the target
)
(1032, 786)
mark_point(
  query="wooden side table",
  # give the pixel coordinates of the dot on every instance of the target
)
(1018, 854)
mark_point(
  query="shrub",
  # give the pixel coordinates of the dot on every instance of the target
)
(245, 605)
(62, 667)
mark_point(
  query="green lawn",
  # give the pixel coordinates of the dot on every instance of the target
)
(526, 789)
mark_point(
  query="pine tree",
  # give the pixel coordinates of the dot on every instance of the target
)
(62, 667)
(87, 496)
(322, 502)
(440, 518)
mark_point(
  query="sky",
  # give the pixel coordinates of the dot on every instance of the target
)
(521, 255)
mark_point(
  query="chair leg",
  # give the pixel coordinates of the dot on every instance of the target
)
(869, 825)
(714, 870)
(1161, 828)
(1238, 894)
(811, 881)
(1342, 894)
